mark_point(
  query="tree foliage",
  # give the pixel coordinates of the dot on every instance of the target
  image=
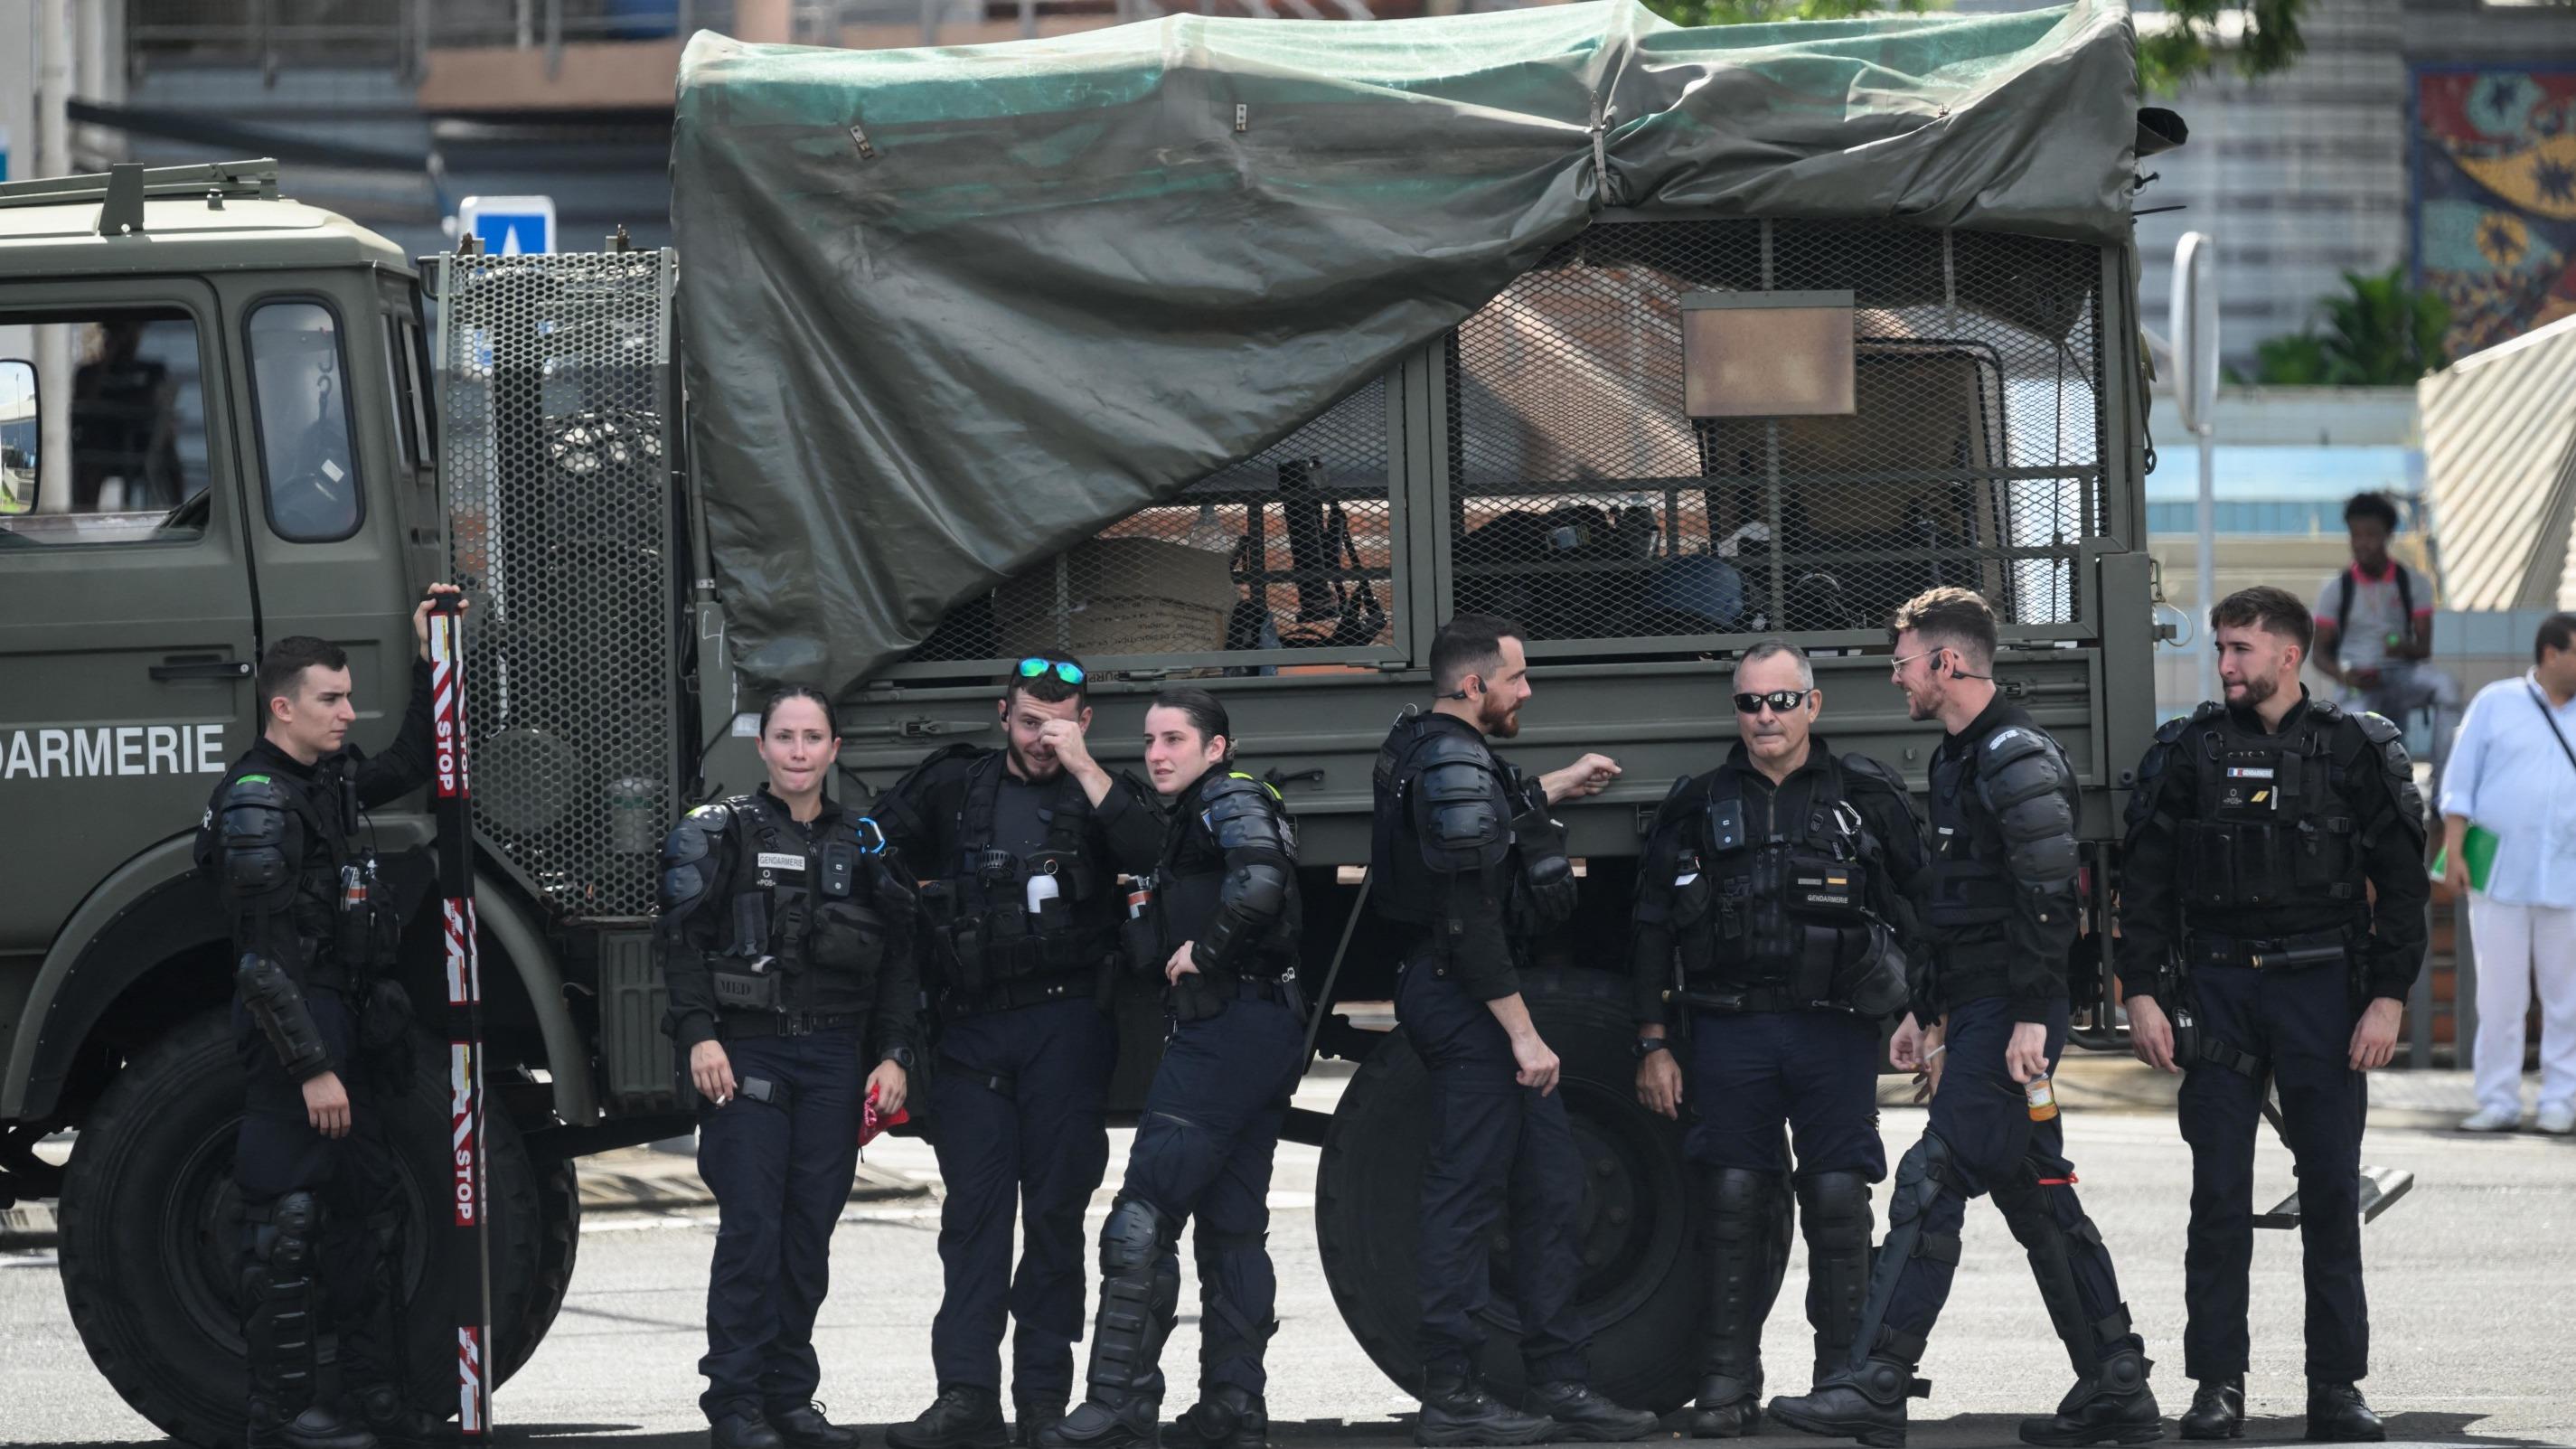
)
(2188, 47)
(2377, 332)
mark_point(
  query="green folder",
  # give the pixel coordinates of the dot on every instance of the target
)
(2479, 845)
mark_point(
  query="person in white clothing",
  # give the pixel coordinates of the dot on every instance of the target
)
(2513, 774)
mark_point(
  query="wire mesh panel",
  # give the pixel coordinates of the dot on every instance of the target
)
(1587, 504)
(554, 454)
(1287, 554)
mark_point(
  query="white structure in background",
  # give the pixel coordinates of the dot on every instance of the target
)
(2500, 465)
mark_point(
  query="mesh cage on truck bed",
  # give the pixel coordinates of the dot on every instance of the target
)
(555, 445)
(1554, 476)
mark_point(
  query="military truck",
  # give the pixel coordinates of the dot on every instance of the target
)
(1654, 419)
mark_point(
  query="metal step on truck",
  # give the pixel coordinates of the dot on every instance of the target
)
(888, 433)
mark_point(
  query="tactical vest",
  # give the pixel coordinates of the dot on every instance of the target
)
(2270, 827)
(1534, 878)
(343, 915)
(984, 933)
(1767, 913)
(1965, 893)
(801, 911)
(1189, 890)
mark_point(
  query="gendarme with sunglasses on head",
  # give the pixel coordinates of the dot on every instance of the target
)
(1997, 907)
(1019, 850)
(1770, 896)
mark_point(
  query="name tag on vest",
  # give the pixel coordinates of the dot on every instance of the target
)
(778, 860)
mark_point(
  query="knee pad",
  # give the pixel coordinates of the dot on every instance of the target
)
(1740, 1202)
(1135, 1234)
(1833, 1208)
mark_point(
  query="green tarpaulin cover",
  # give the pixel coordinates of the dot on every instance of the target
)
(947, 312)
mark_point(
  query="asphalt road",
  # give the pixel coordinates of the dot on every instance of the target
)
(2472, 1277)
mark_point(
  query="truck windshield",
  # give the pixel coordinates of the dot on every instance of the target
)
(299, 382)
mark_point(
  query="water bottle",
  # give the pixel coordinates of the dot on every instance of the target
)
(2042, 1098)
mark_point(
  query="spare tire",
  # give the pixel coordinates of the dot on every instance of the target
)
(1641, 1287)
(151, 1245)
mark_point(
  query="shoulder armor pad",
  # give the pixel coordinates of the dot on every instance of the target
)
(2006, 745)
(2329, 711)
(2018, 764)
(1676, 806)
(1240, 812)
(254, 824)
(689, 858)
(1466, 819)
(2379, 729)
(1870, 770)
(1449, 747)
(253, 793)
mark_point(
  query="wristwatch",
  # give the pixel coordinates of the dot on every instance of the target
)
(902, 1057)
(1649, 1045)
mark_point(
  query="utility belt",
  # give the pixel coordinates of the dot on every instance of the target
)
(741, 1026)
(2280, 953)
(1747, 999)
(1198, 996)
(1010, 995)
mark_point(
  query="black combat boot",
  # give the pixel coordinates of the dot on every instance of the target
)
(743, 1431)
(1583, 1416)
(1140, 1291)
(2113, 1403)
(2337, 1415)
(1032, 1417)
(396, 1423)
(2217, 1409)
(1228, 1416)
(804, 1427)
(1457, 1409)
(962, 1417)
(1866, 1403)
(1726, 1408)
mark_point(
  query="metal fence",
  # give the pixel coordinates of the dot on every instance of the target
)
(556, 411)
(1588, 505)
(1284, 558)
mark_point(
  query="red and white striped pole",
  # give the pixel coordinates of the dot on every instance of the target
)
(469, 1220)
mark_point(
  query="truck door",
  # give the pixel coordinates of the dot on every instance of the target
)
(325, 479)
(126, 641)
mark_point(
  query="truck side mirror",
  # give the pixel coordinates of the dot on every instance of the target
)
(18, 435)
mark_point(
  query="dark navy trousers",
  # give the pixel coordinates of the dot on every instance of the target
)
(1494, 1143)
(1751, 1071)
(781, 1172)
(1203, 1151)
(1017, 1120)
(2301, 1023)
(1983, 1117)
(354, 1179)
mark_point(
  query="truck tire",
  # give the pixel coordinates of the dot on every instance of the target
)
(558, 1243)
(1641, 1285)
(151, 1254)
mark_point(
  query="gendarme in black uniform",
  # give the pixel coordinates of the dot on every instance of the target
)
(1026, 1050)
(2248, 892)
(1227, 885)
(1997, 904)
(789, 943)
(314, 930)
(1764, 920)
(1467, 864)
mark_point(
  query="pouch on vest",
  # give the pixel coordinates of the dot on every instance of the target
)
(1196, 998)
(1694, 941)
(848, 937)
(1547, 888)
(744, 988)
(1961, 893)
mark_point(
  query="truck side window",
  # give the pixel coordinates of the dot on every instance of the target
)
(102, 428)
(300, 389)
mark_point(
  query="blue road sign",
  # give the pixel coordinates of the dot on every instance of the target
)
(510, 226)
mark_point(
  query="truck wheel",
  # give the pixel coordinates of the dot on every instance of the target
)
(558, 1243)
(1641, 1286)
(151, 1251)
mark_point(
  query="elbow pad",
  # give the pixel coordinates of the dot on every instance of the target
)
(283, 1018)
(1254, 897)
